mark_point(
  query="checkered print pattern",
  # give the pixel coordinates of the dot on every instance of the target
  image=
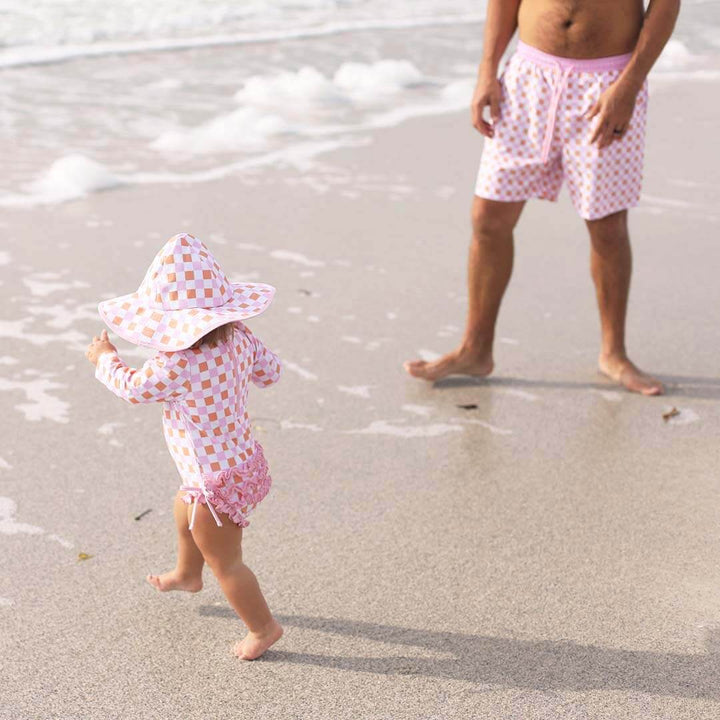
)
(600, 182)
(206, 425)
(183, 296)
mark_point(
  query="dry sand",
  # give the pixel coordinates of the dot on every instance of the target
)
(551, 554)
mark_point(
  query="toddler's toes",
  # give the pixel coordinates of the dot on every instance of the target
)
(154, 580)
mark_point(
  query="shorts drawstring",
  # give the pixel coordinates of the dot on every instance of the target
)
(561, 84)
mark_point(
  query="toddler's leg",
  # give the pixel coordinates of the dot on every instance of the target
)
(222, 549)
(187, 574)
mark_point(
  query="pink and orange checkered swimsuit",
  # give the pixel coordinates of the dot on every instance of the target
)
(543, 138)
(207, 429)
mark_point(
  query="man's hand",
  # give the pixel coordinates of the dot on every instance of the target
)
(98, 346)
(487, 94)
(613, 110)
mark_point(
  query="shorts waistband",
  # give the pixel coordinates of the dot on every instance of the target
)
(591, 65)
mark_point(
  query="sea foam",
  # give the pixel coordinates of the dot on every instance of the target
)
(352, 83)
(244, 129)
(73, 176)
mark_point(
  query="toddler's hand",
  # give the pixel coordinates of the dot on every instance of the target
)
(98, 346)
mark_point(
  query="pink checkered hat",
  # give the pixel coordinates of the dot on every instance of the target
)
(184, 296)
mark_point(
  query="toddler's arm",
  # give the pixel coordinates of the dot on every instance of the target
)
(161, 378)
(266, 366)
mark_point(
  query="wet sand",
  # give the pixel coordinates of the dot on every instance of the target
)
(550, 553)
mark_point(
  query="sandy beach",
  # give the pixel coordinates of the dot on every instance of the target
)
(549, 551)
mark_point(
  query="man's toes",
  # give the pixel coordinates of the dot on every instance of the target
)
(654, 389)
(416, 368)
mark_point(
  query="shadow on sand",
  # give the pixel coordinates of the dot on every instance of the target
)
(506, 662)
(707, 388)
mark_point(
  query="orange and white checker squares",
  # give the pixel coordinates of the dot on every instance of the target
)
(542, 136)
(183, 296)
(207, 429)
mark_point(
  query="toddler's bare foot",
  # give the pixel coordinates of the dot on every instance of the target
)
(624, 372)
(255, 644)
(174, 581)
(458, 362)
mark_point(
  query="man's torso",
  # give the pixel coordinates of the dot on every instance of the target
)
(581, 28)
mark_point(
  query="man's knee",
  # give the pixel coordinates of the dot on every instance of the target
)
(609, 232)
(493, 221)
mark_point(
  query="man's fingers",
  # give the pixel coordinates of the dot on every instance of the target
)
(593, 111)
(606, 138)
(104, 336)
(597, 132)
(618, 133)
(494, 108)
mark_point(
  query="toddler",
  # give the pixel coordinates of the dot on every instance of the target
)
(189, 312)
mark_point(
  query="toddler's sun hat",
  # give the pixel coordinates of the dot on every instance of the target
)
(184, 296)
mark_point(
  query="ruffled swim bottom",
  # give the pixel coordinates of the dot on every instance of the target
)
(235, 492)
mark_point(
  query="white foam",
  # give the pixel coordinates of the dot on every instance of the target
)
(6, 602)
(458, 92)
(304, 88)
(7, 360)
(675, 56)
(509, 341)
(362, 391)
(245, 129)
(351, 339)
(368, 82)
(4, 464)
(4, 257)
(73, 176)
(109, 428)
(42, 284)
(302, 372)
(295, 257)
(421, 410)
(382, 427)
(492, 428)
(290, 425)
(8, 524)
(61, 541)
(43, 54)
(41, 405)
(16, 329)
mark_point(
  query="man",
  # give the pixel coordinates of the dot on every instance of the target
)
(570, 107)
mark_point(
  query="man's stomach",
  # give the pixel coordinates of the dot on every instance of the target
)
(581, 28)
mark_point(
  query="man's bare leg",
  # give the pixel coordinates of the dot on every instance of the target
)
(489, 269)
(611, 267)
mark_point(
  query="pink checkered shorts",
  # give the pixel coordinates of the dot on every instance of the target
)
(542, 137)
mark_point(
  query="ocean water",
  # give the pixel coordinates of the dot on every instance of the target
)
(98, 95)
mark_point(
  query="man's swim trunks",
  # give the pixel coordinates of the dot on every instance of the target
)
(542, 136)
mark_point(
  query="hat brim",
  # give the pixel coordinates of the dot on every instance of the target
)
(134, 320)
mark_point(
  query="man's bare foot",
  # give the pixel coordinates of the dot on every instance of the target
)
(622, 371)
(458, 362)
(173, 581)
(253, 645)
